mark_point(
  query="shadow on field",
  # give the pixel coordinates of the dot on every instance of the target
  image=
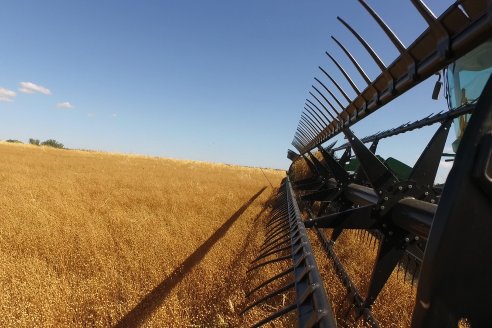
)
(156, 297)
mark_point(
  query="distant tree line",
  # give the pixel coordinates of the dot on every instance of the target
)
(50, 142)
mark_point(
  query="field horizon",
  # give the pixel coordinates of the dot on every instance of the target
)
(141, 155)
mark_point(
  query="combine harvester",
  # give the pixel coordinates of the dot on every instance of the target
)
(443, 232)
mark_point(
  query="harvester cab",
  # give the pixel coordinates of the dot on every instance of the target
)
(465, 80)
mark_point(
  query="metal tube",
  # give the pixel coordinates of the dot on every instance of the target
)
(361, 195)
(414, 215)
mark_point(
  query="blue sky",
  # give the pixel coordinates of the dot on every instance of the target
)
(221, 81)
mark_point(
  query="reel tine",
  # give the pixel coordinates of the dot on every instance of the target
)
(318, 111)
(265, 283)
(271, 242)
(376, 242)
(331, 94)
(276, 232)
(417, 271)
(267, 297)
(262, 256)
(414, 271)
(344, 73)
(324, 107)
(275, 246)
(406, 266)
(387, 30)
(353, 60)
(280, 259)
(350, 308)
(366, 45)
(344, 94)
(398, 268)
(276, 315)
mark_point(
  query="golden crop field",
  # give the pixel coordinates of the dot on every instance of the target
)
(91, 239)
(95, 239)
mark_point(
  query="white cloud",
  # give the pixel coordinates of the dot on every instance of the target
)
(29, 87)
(64, 105)
(114, 115)
(446, 165)
(448, 149)
(91, 114)
(7, 95)
(444, 169)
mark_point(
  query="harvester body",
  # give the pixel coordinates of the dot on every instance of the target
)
(439, 234)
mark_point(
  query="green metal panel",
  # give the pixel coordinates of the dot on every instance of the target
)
(400, 169)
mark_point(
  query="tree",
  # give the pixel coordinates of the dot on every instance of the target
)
(52, 143)
(34, 141)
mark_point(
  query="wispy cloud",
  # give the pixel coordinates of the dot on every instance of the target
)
(64, 105)
(7, 95)
(29, 87)
(114, 115)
